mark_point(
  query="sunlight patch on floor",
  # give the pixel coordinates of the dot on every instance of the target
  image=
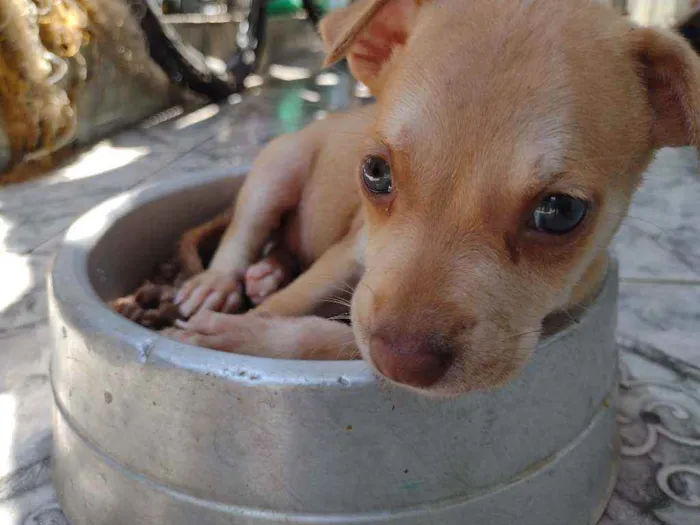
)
(95, 220)
(102, 158)
(16, 282)
(6, 226)
(197, 116)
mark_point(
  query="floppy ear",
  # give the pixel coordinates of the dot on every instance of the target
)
(369, 33)
(670, 70)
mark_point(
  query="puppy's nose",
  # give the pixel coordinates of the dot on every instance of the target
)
(419, 363)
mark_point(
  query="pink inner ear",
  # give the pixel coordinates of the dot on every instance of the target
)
(376, 43)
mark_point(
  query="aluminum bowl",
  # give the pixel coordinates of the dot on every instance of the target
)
(149, 431)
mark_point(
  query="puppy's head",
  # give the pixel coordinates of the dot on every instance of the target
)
(511, 136)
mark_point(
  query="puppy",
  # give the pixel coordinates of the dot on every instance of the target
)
(476, 197)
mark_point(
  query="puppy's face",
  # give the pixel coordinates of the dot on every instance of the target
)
(510, 139)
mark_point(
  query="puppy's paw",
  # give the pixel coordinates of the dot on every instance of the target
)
(211, 290)
(224, 332)
(265, 278)
(173, 332)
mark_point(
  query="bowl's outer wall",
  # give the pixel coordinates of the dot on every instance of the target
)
(571, 490)
(292, 437)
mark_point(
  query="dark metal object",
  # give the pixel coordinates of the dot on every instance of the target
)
(187, 67)
(313, 11)
(250, 39)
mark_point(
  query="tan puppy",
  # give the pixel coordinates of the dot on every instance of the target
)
(478, 196)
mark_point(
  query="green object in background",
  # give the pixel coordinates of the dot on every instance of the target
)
(283, 7)
(288, 7)
(291, 111)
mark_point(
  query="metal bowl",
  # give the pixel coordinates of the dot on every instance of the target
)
(149, 431)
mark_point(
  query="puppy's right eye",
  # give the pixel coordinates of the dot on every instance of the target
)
(559, 214)
(376, 175)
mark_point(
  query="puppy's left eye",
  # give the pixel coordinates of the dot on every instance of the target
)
(558, 214)
(376, 175)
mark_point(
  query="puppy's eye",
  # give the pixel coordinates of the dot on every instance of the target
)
(559, 214)
(376, 175)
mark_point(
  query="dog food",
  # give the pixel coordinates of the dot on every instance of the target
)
(152, 304)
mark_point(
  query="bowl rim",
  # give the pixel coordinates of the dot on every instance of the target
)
(80, 306)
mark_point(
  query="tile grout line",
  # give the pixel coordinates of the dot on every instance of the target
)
(654, 354)
(660, 280)
(25, 479)
(143, 181)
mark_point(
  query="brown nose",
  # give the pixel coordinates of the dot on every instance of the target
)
(419, 362)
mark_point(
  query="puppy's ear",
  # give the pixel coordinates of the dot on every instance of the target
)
(670, 70)
(369, 33)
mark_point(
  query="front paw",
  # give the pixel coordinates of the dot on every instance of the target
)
(235, 333)
(265, 278)
(213, 291)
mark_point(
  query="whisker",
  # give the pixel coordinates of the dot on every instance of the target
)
(567, 313)
(348, 288)
(521, 334)
(340, 287)
(343, 347)
(339, 297)
(338, 300)
(340, 317)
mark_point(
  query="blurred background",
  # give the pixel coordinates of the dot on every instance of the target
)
(74, 71)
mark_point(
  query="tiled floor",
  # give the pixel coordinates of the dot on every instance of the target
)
(659, 249)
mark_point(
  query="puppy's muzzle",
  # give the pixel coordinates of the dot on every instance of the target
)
(417, 361)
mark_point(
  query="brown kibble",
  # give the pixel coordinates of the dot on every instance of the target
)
(150, 319)
(162, 317)
(148, 295)
(169, 313)
(152, 305)
(136, 314)
(120, 304)
(128, 307)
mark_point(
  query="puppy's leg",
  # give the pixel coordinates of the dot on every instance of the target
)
(272, 189)
(311, 338)
(188, 252)
(272, 273)
(329, 276)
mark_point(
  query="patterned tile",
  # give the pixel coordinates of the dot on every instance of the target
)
(35, 507)
(661, 237)
(659, 417)
(663, 315)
